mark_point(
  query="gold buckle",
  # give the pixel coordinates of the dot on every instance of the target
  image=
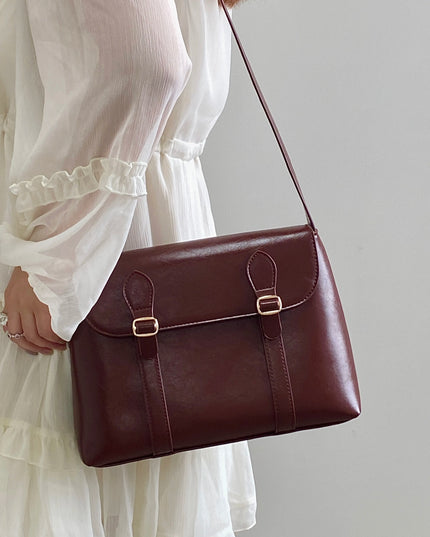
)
(270, 312)
(145, 319)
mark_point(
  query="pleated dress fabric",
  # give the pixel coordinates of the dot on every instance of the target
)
(105, 108)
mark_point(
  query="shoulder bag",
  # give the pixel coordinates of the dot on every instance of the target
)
(213, 341)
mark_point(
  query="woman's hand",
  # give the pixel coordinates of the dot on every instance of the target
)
(27, 315)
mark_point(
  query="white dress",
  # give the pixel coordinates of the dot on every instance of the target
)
(105, 107)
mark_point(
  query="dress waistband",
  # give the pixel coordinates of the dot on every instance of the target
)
(176, 148)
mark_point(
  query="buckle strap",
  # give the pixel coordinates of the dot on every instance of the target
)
(139, 330)
(273, 303)
(138, 292)
(262, 274)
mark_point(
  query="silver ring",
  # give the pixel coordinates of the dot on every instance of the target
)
(3, 318)
(15, 336)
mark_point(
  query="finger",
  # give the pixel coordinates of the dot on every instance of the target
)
(14, 325)
(31, 334)
(43, 324)
(30, 348)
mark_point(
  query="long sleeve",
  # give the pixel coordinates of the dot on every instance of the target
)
(111, 72)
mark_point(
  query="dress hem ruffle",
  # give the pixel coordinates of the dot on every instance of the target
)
(44, 449)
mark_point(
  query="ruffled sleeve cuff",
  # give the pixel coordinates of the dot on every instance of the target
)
(110, 174)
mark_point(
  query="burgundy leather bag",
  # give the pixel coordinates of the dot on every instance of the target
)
(212, 341)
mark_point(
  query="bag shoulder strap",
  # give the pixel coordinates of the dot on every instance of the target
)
(270, 118)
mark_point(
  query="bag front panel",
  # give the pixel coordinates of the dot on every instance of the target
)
(217, 385)
(215, 379)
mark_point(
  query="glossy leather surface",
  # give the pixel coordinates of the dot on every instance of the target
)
(217, 384)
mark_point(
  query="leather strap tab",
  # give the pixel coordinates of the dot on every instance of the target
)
(138, 292)
(262, 273)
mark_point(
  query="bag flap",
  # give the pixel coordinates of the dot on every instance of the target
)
(206, 280)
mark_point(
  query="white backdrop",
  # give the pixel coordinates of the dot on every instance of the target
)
(349, 84)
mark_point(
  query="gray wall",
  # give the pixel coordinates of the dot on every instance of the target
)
(349, 83)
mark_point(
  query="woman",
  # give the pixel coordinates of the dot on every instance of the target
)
(105, 108)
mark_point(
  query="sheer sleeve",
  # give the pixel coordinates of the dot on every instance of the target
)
(111, 73)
